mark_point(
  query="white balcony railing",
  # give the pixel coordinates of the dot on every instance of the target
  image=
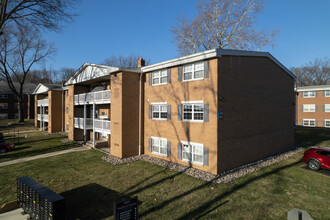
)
(102, 126)
(43, 102)
(79, 123)
(100, 97)
(42, 117)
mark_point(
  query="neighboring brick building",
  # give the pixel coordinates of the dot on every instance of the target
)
(214, 110)
(313, 106)
(49, 107)
(8, 101)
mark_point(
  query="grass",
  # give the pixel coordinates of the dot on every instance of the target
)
(90, 187)
(35, 143)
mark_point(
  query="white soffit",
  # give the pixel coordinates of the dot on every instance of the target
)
(211, 54)
(312, 88)
(40, 89)
(89, 72)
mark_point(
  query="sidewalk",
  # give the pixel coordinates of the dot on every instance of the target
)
(77, 149)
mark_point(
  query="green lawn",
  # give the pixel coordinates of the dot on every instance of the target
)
(90, 187)
(34, 143)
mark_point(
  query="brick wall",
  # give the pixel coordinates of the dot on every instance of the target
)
(258, 108)
(176, 131)
(319, 115)
(55, 111)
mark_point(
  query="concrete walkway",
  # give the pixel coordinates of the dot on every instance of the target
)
(13, 215)
(77, 149)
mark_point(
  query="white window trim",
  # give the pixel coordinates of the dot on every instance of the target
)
(305, 119)
(196, 144)
(325, 107)
(152, 112)
(325, 123)
(325, 93)
(193, 71)
(309, 94)
(308, 107)
(152, 146)
(192, 103)
(159, 84)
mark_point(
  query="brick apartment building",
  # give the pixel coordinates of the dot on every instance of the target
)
(49, 107)
(210, 110)
(9, 102)
(313, 106)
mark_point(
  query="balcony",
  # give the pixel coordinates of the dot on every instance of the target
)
(79, 123)
(43, 102)
(100, 97)
(102, 126)
(42, 117)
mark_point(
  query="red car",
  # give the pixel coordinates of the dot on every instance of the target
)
(4, 147)
(317, 158)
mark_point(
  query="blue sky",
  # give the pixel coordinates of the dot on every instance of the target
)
(107, 27)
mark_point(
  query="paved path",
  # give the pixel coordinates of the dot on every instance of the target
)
(13, 215)
(77, 149)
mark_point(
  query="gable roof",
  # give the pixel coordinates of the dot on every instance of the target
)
(214, 53)
(90, 71)
(27, 88)
(43, 88)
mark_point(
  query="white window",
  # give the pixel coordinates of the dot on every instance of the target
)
(309, 122)
(159, 111)
(193, 111)
(159, 145)
(327, 123)
(67, 126)
(193, 71)
(192, 152)
(308, 108)
(159, 77)
(309, 94)
(327, 93)
(67, 109)
(327, 108)
(3, 105)
(3, 115)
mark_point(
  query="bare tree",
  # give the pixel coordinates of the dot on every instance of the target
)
(128, 62)
(20, 49)
(222, 24)
(64, 74)
(40, 13)
(316, 72)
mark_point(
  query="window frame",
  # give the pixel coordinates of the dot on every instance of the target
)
(325, 123)
(309, 122)
(325, 93)
(4, 116)
(192, 71)
(164, 140)
(4, 96)
(191, 151)
(325, 107)
(309, 94)
(159, 104)
(193, 103)
(4, 106)
(159, 77)
(308, 107)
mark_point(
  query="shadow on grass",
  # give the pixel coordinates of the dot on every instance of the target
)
(91, 201)
(306, 137)
(204, 209)
(24, 141)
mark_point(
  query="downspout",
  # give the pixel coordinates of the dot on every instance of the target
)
(140, 117)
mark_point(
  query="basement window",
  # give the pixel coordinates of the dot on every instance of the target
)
(309, 122)
(327, 123)
(159, 146)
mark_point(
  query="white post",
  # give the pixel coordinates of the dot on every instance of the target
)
(42, 118)
(93, 125)
(84, 123)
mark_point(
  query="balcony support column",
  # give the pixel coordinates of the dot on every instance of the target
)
(42, 118)
(93, 124)
(85, 140)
